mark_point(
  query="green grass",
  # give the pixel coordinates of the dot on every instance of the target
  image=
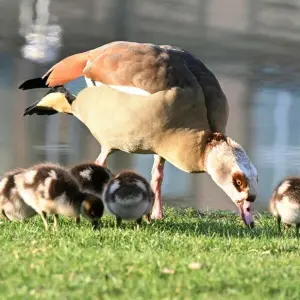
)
(77, 263)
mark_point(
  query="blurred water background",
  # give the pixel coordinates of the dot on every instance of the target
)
(252, 46)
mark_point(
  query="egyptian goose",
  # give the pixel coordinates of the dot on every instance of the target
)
(129, 196)
(157, 100)
(50, 189)
(285, 203)
(12, 205)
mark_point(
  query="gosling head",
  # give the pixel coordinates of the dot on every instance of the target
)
(92, 208)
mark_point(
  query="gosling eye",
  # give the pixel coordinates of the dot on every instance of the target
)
(239, 182)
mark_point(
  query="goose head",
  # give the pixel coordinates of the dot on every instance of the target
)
(230, 167)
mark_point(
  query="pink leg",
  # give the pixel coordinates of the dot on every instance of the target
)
(101, 159)
(156, 182)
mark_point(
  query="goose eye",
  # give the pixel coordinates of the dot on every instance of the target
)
(239, 181)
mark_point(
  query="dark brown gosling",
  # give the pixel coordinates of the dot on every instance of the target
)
(92, 179)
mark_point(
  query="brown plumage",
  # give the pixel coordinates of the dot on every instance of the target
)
(153, 99)
(92, 178)
(50, 189)
(129, 196)
(150, 67)
(12, 205)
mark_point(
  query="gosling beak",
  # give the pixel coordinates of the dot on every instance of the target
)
(244, 207)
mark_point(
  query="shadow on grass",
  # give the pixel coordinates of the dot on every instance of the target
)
(209, 224)
(183, 221)
(211, 227)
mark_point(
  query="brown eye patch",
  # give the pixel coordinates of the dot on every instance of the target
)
(239, 181)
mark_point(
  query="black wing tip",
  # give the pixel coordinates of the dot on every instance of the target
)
(40, 112)
(33, 109)
(23, 85)
(34, 83)
(29, 109)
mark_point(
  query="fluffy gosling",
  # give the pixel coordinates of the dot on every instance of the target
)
(13, 207)
(92, 179)
(129, 196)
(285, 203)
(50, 189)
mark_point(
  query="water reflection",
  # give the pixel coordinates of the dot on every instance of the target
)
(42, 40)
(253, 50)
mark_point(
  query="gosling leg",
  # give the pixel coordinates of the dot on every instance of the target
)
(55, 218)
(119, 221)
(138, 223)
(95, 224)
(148, 218)
(3, 214)
(43, 216)
(297, 230)
(279, 223)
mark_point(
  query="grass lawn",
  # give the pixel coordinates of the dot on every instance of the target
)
(182, 257)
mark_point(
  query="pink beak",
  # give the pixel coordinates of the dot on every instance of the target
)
(245, 212)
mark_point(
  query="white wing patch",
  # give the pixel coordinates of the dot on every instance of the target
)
(46, 186)
(3, 183)
(29, 176)
(125, 89)
(87, 174)
(283, 187)
(53, 174)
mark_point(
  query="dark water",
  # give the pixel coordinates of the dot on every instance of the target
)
(251, 46)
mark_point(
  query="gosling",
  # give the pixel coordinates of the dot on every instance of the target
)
(92, 179)
(13, 207)
(285, 203)
(129, 196)
(50, 189)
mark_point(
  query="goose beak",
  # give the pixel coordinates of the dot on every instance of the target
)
(244, 207)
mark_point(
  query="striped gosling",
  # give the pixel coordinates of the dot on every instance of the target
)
(12, 205)
(50, 189)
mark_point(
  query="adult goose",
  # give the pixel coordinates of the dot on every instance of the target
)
(152, 99)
